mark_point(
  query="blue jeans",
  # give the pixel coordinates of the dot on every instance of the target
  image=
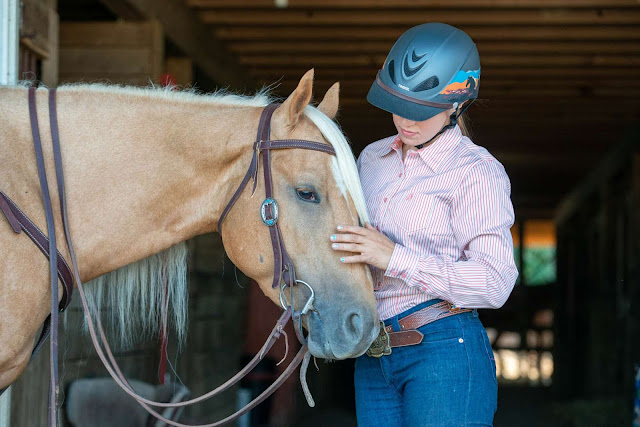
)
(447, 380)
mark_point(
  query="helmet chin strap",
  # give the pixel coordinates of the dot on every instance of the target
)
(453, 121)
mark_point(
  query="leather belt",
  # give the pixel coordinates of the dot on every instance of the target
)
(408, 333)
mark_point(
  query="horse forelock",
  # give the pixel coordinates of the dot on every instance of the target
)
(343, 164)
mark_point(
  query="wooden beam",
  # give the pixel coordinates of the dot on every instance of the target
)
(548, 97)
(182, 25)
(358, 89)
(510, 61)
(457, 17)
(411, 4)
(499, 33)
(484, 47)
(339, 73)
(356, 85)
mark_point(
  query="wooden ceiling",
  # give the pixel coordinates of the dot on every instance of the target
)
(559, 87)
(560, 84)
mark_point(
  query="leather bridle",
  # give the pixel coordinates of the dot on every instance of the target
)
(284, 274)
(284, 271)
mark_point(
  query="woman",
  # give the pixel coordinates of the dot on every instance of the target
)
(439, 243)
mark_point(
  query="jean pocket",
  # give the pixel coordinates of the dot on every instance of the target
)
(489, 351)
(441, 337)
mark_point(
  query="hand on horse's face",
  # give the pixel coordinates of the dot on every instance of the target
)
(370, 246)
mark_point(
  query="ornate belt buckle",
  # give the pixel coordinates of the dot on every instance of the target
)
(381, 346)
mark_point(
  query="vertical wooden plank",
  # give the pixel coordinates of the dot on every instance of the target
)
(50, 65)
(34, 29)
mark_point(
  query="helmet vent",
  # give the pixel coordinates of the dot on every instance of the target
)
(430, 83)
(392, 71)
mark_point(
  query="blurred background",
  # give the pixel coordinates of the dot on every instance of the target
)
(558, 107)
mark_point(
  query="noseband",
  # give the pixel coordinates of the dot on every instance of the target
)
(284, 274)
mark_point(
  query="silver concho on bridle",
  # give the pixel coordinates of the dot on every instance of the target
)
(273, 212)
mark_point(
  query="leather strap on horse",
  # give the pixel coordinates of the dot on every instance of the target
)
(116, 373)
(54, 386)
(283, 268)
(110, 364)
(19, 222)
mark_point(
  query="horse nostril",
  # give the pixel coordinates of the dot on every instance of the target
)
(354, 325)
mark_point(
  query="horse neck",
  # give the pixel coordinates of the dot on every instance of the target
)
(156, 172)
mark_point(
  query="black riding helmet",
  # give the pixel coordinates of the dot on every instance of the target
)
(431, 68)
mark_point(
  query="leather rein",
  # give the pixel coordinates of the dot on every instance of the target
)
(284, 272)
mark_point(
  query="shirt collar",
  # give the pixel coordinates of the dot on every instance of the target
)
(433, 155)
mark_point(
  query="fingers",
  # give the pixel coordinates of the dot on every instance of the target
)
(352, 238)
(354, 259)
(356, 229)
(347, 247)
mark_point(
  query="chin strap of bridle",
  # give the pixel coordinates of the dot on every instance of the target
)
(453, 121)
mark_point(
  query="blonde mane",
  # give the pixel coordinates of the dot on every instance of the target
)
(132, 297)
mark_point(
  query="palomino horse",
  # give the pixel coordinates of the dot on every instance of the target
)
(147, 169)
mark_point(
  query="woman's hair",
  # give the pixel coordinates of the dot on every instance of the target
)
(463, 120)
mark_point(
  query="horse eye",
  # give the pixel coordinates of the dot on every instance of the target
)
(307, 195)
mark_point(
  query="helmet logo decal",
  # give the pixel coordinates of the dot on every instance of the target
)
(415, 64)
(464, 85)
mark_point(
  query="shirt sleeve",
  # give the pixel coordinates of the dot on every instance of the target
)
(481, 216)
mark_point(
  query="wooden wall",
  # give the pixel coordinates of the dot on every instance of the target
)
(598, 293)
(38, 57)
(133, 53)
(111, 52)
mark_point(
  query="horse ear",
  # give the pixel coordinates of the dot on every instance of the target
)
(295, 104)
(329, 104)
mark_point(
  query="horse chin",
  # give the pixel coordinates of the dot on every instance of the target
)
(340, 338)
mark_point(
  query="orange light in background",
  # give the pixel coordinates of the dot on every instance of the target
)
(540, 233)
(515, 234)
(537, 233)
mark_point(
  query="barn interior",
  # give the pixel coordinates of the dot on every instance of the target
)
(558, 106)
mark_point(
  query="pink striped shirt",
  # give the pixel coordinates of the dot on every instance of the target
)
(448, 209)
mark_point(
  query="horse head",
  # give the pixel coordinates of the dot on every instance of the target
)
(315, 192)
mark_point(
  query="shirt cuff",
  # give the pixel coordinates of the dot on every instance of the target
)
(402, 263)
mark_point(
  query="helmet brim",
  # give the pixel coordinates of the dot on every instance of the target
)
(386, 101)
